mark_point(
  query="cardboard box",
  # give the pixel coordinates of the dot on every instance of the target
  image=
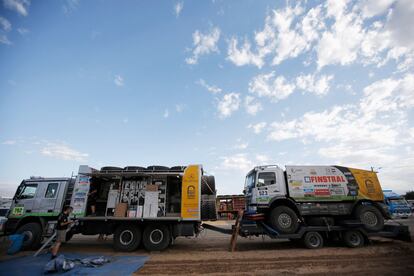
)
(151, 188)
(120, 209)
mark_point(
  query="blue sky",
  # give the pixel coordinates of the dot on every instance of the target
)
(228, 84)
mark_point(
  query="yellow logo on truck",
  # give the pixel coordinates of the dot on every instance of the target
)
(190, 201)
(368, 184)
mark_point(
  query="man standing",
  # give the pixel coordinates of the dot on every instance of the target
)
(61, 228)
(92, 196)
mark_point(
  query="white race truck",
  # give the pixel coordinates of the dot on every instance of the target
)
(315, 195)
(137, 205)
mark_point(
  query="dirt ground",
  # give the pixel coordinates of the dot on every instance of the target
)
(209, 254)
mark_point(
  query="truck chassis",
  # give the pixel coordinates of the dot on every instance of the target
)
(351, 233)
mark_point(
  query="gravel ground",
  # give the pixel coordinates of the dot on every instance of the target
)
(209, 254)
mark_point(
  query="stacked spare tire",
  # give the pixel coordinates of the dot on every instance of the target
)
(208, 198)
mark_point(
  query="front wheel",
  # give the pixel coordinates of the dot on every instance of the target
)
(370, 217)
(284, 220)
(32, 235)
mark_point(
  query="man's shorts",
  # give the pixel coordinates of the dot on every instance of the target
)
(61, 236)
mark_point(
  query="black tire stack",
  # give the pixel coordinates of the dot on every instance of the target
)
(208, 198)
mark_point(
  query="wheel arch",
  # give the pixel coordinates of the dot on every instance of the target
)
(30, 219)
(368, 202)
(284, 202)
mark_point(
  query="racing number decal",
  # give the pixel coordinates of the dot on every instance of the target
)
(262, 193)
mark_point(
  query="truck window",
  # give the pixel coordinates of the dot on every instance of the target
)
(250, 181)
(266, 178)
(29, 191)
(51, 190)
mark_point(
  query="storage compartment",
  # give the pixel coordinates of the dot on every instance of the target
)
(137, 194)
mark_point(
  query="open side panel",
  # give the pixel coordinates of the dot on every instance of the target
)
(191, 193)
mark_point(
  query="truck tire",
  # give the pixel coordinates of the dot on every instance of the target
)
(127, 237)
(208, 185)
(134, 169)
(157, 168)
(370, 217)
(353, 238)
(32, 232)
(313, 240)
(208, 208)
(177, 168)
(284, 220)
(111, 169)
(156, 237)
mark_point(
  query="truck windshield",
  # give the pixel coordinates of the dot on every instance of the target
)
(250, 181)
(398, 201)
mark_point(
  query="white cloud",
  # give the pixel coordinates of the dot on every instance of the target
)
(228, 104)
(268, 85)
(310, 83)
(238, 162)
(9, 142)
(70, 6)
(373, 131)
(240, 144)
(243, 55)
(64, 152)
(251, 105)
(372, 8)
(211, 88)
(401, 24)
(166, 113)
(257, 128)
(284, 35)
(23, 31)
(179, 107)
(178, 7)
(4, 39)
(341, 43)
(5, 24)
(262, 158)
(19, 6)
(204, 44)
(118, 80)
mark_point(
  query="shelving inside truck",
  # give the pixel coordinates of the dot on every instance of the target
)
(144, 194)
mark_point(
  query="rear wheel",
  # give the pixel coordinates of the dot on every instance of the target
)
(284, 220)
(156, 237)
(313, 240)
(353, 238)
(32, 235)
(370, 217)
(127, 238)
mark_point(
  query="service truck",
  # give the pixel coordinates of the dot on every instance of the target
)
(315, 195)
(398, 206)
(151, 205)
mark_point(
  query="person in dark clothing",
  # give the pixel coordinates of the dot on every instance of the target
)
(61, 229)
(92, 197)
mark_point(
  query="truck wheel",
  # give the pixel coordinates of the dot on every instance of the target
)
(32, 235)
(208, 185)
(313, 240)
(158, 168)
(370, 217)
(127, 237)
(208, 208)
(284, 220)
(156, 237)
(353, 238)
